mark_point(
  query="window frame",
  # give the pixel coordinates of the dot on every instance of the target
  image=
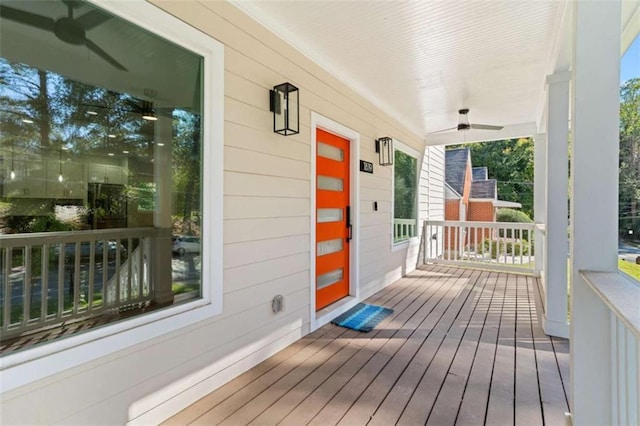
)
(30, 365)
(399, 146)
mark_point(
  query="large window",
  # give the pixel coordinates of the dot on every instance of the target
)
(404, 194)
(100, 171)
(629, 181)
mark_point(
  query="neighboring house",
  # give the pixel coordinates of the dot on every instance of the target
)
(469, 193)
(181, 91)
(469, 196)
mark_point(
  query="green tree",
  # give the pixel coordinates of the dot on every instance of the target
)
(629, 181)
(510, 162)
(405, 179)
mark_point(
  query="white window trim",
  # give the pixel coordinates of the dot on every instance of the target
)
(397, 145)
(34, 364)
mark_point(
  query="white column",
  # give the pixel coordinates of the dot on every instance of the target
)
(557, 210)
(539, 197)
(594, 201)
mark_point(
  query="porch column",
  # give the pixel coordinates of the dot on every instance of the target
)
(557, 211)
(539, 196)
(161, 247)
(594, 201)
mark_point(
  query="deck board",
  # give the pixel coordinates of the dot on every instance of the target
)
(527, 387)
(500, 410)
(388, 384)
(462, 347)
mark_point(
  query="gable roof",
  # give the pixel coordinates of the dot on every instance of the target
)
(484, 189)
(450, 193)
(480, 173)
(456, 167)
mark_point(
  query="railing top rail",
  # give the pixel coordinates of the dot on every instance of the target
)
(497, 225)
(620, 294)
(13, 240)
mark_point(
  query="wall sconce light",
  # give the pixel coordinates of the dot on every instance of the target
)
(384, 148)
(284, 102)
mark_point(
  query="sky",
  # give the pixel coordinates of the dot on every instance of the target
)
(630, 64)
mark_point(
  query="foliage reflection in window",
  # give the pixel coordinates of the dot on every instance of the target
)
(404, 196)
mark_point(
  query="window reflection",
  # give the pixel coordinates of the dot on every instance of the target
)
(100, 148)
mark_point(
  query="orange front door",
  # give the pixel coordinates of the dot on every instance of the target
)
(333, 221)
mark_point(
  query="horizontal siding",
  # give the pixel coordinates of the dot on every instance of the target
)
(250, 185)
(436, 182)
(257, 251)
(243, 230)
(267, 237)
(262, 272)
(263, 207)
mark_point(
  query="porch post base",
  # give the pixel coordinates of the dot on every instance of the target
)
(555, 328)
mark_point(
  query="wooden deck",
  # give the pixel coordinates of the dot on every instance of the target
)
(462, 347)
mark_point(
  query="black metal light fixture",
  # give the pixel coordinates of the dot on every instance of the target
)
(384, 148)
(284, 102)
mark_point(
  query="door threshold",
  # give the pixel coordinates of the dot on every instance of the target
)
(326, 314)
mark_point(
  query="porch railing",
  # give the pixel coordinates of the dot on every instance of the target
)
(403, 229)
(620, 297)
(55, 277)
(495, 245)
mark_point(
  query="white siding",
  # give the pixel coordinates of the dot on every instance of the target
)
(266, 236)
(436, 182)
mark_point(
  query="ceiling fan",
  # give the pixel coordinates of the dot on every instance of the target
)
(67, 28)
(463, 123)
(131, 105)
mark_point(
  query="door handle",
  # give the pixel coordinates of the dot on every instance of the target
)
(348, 222)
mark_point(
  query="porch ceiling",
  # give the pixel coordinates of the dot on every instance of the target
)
(422, 61)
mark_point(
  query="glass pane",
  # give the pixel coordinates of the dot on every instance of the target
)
(329, 215)
(404, 196)
(113, 144)
(330, 151)
(329, 278)
(330, 183)
(629, 164)
(328, 247)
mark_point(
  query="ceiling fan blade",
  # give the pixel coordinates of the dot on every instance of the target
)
(486, 127)
(27, 18)
(92, 19)
(443, 130)
(104, 55)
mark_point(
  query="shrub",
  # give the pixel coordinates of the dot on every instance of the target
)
(515, 248)
(511, 215)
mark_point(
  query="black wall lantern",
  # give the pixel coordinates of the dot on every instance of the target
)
(285, 105)
(384, 148)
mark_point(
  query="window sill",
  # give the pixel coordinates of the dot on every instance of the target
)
(24, 367)
(400, 245)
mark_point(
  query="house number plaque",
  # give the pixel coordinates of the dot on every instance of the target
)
(366, 166)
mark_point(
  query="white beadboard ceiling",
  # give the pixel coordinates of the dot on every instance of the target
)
(420, 61)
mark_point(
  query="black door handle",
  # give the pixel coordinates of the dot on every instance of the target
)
(348, 222)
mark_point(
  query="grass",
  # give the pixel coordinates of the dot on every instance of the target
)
(179, 288)
(629, 268)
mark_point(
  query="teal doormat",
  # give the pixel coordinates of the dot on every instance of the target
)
(362, 317)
